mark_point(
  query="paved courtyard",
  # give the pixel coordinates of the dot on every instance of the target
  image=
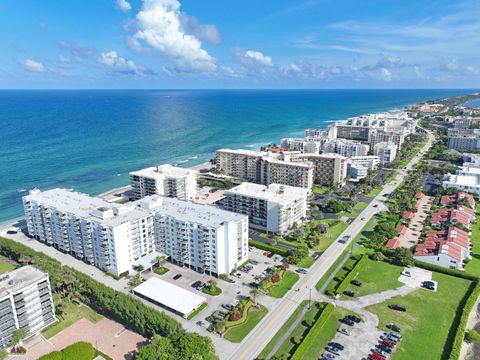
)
(410, 237)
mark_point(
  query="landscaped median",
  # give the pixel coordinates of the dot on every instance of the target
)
(352, 274)
(279, 283)
(245, 317)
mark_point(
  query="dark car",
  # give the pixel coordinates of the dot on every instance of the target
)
(397, 307)
(356, 283)
(354, 318)
(428, 283)
(11, 232)
(196, 284)
(384, 348)
(336, 345)
(178, 276)
(375, 206)
(349, 293)
(393, 327)
(347, 321)
(429, 287)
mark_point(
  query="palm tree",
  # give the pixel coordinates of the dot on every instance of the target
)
(255, 292)
(212, 284)
(17, 337)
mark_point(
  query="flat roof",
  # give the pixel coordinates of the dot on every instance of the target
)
(467, 180)
(282, 194)
(161, 171)
(242, 152)
(206, 215)
(169, 295)
(18, 279)
(324, 156)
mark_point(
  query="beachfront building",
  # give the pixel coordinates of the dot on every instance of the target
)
(111, 236)
(467, 183)
(273, 208)
(201, 237)
(294, 144)
(464, 139)
(166, 180)
(346, 148)
(312, 147)
(264, 168)
(330, 169)
(386, 152)
(352, 132)
(25, 302)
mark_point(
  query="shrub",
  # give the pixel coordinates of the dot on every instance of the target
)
(472, 335)
(351, 275)
(273, 249)
(54, 355)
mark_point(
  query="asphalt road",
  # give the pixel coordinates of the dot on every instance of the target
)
(259, 337)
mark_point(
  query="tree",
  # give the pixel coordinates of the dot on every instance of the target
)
(212, 284)
(17, 337)
(403, 257)
(255, 292)
(160, 260)
(136, 280)
(3, 354)
(378, 256)
(323, 227)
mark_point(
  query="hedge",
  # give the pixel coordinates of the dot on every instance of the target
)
(313, 333)
(446, 271)
(351, 275)
(229, 324)
(267, 247)
(79, 351)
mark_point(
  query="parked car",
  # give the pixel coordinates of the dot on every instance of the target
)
(406, 273)
(336, 345)
(356, 283)
(178, 276)
(375, 206)
(328, 356)
(196, 284)
(349, 293)
(397, 307)
(354, 318)
(228, 307)
(348, 321)
(344, 331)
(384, 348)
(301, 271)
(333, 350)
(376, 356)
(393, 327)
(11, 232)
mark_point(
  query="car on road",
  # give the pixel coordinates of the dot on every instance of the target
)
(347, 321)
(393, 327)
(344, 331)
(363, 219)
(349, 293)
(375, 206)
(178, 276)
(301, 271)
(397, 307)
(354, 318)
(344, 239)
(356, 283)
(336, 345)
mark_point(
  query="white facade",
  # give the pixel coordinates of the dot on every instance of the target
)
(356, 172)
(312, 147)
(25, 302)
(108, 235)
(464, 139)
(295, 144)
(202, 237)
(467, 183)
(371, 162)
(346, 147)
(386, 152)
(383, 136)
(166, 180)
(274, 208)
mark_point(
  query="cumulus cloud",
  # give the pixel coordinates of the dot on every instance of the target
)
(386, 74)
(160, 31)
(119, 64)
(124, 5)
(205, 32)
(258, 58)
(33, 66)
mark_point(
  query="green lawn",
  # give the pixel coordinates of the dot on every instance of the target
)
(161, 270)
(305, 262)
(473, 267)
(237, 333)
(374, 192)
(360, 206)
(332, 234)
(71, 314)
(266, 351)
(5, 266)
(288, 280)
(196, 312)
(212, 292)
(321, 190)
(427, 323)
(376, 276)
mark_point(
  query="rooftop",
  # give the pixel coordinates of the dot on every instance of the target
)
(206, 215)
(466, 180)
(242, 152)
(16, 280)
(324, 156)
(161, 171)
(282, 194)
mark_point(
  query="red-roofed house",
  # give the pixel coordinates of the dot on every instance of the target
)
(419, 195)
(441, 253)
(455, 198)
(393, 243)
(408, 216)
(448, 216)
(401, 229)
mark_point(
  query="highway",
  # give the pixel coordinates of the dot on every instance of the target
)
(259, 337)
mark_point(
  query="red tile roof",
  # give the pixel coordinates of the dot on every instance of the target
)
(401, 229)
(450, 235)
(455, 198)
(408, 215)
(448, 215)
(393, 243)
(434, 248)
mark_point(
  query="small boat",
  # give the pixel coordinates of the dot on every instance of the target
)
(21, 190)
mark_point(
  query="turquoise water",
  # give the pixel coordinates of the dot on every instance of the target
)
(90, 140)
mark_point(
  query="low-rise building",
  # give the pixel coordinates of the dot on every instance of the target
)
(455, 199)
(386, 152)
(25, 303)
(274, 208)
(467, 183)
(166, 180)
(356, 172)
(330, 169)
(448, 216)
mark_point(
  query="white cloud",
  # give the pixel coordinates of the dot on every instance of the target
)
(124, 5)
(386, 74)
(34, 66)
(159, 30)
(119, 64)
(205, 32)
(258, 57)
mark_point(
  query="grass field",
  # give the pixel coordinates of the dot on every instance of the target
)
(305, 262)
(376, 276)
(161, 270)
(361, 205)
(374, 192)
(473, 267)
(427, 323)
(288, 280)
(5, 266)
(321, 190)
(237, 333)
(71, 314)
(332, 234)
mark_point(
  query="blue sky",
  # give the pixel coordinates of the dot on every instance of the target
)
(239, 44)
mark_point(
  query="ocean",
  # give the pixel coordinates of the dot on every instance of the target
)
(89, 140)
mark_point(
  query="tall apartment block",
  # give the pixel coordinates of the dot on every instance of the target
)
(330, 169)
(258, 167)
(386, 152)
(464, 139)
(25, 302)
(108, 235)
(388, 136)
(346, 148)
(201, 237)
(166, 180)
(274, 208)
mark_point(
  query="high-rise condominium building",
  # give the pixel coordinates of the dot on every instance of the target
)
(108, 235)
(386, 152)
(346, 148)
(274, 208)
(330, 169)
(388, 136)
(166, 180)
(202, 237)
(25, 303)
(464, 139)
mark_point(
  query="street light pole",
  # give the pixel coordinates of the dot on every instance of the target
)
(310, 299)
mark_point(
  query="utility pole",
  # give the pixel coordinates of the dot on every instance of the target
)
(310, 299)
